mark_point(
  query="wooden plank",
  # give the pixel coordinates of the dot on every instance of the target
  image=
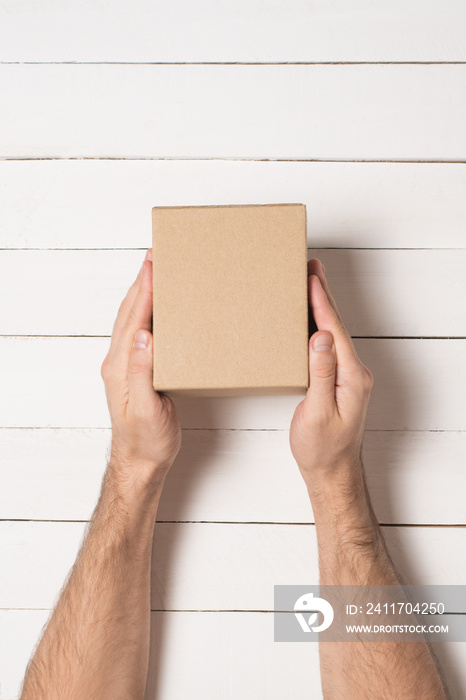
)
(398, 293)
(225, 664)
(55, 382)
(62, 469)
(77, 292)
(212, 566)
(379, 293)
(261, 30)
(19, 632)
(330, 112)
(233, 476)
(107, 204)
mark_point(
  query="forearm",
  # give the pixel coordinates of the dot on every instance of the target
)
(351, 546)
(352, 551)
(96, 644)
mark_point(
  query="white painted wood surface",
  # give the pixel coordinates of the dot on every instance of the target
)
(55, 382)
(325, 112)
(254, 30)
(221, 654)
(107, 203)
(119, 139)
(215, 566)
(233, 476)
(386, 293)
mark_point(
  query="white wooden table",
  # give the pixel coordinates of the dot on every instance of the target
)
(357, 110)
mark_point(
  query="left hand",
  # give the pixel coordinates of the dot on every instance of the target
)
(146, 433)
(327, 429)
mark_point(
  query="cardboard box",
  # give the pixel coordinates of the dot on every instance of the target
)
(230, 300)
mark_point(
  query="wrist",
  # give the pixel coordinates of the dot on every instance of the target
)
(136, 468)
(340, 500)
(143, 455)
(338, 484)
(137, 484)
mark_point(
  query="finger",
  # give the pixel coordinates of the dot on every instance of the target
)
(138, 317)
(140, 384)
(125, 306)
(327, 319)
(141, 392)
(316, 267)
(322, 371)
(128, 301)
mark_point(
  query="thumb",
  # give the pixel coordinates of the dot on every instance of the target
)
(322, 369)
(140, 385)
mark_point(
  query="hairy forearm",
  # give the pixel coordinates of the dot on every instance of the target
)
(352, 551)
(96, 644)
(351, 545)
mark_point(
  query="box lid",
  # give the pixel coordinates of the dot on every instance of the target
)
(230, 299)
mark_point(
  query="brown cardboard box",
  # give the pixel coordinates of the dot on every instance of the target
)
(230, 300)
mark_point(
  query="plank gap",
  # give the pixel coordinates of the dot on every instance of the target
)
(231, 159)
(232, 63)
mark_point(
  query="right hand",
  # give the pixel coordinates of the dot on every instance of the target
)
(146, 433)
(328, 425)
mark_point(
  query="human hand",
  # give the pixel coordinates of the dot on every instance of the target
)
(328, 425)
(146, 434)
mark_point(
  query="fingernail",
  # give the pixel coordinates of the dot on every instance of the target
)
(323, 268)
(323, 341)
(141, 340)
(148, 254)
